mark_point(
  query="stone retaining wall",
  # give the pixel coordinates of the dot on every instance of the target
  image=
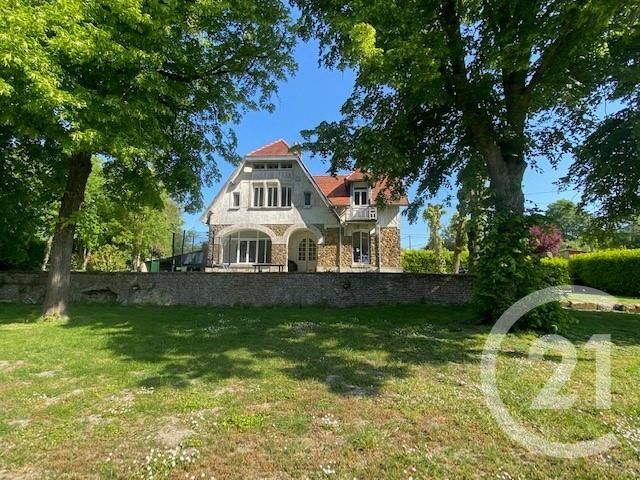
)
(336, 289)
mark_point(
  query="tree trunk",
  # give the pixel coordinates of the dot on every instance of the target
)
(47, 253)
(459, 243)
(78, 170)
(85, 258)
(505, 175)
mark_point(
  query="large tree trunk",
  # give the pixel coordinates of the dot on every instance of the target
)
(505, 175)
(78, 170)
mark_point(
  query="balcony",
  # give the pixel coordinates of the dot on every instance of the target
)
(361, 213)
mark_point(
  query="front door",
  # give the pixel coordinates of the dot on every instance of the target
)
(307, 255)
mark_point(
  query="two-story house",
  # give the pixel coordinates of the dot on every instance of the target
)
(273, 211)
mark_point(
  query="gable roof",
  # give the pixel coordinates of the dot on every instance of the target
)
(278, 148)
(336, 189)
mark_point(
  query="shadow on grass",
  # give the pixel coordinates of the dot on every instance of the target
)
(353, 351)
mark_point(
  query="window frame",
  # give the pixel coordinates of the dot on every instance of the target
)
(245, 242)
(286, 203)
(360, 193)
(234, 196)
(359, 234)
(304, 199)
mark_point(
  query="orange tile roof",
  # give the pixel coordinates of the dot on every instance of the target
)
(336, 189)
(277, 148)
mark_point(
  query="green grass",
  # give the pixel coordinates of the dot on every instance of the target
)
(384, 392)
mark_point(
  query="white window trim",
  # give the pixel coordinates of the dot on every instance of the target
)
(233, 196)
(281, 191)
(304, 194)
(265, 185)
(360, 189)
(353, 260)
(260, 236)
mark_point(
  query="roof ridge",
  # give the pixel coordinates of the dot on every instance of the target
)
(268, 145)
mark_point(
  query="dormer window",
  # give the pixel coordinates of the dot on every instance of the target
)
(235, 202)
(361, 196)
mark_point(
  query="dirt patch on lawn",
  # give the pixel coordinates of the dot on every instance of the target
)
(173, 432)
(7, 366)
(48, 401)
(24, 474)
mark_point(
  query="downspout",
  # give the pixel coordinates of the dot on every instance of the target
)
(379, 240)
(335, 211)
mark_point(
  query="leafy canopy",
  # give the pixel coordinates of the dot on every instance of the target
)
(441, 81)
(150, 85)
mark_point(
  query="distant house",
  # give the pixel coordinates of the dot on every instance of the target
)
(570, 252)
(272, 211)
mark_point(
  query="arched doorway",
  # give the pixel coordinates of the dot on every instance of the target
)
(303, 251)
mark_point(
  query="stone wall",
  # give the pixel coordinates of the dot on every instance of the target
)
(390, 241)
(211, 289)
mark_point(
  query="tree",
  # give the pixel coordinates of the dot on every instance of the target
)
(146, 231)
(572, 220)
(441, 81)
(607, 164)
(92, 219)
(459, 225)
(473, 205)
(433, 216)
(150, 86)
(26, 189)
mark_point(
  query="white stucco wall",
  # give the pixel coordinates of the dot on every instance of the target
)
(223, 213)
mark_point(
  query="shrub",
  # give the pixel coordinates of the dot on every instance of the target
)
(508, 270)
(555, 271)
(614, 271)
(545, 239)
(423, 261)
(108, 258)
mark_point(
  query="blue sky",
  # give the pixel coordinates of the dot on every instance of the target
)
(316, 94)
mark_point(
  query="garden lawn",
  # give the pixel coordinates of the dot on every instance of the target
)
(380, 392)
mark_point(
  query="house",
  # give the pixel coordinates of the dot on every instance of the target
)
(273, 211)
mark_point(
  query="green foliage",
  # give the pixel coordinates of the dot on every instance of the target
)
(424, 261)
(507, 271)
(614, 271)
(607, 164)
(108, 258)
(441, 82)
(152, 86)
(27, 209)
(433, 216)
(572, 220)
(555, 271)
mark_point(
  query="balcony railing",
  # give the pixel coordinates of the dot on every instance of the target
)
(361, 213)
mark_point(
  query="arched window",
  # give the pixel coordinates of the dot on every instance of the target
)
(360, 244)
(247, 246)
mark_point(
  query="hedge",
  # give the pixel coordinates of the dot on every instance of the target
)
(556, 271)
(614, 271)
(423, 261)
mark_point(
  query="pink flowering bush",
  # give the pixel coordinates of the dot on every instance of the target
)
(545, 239)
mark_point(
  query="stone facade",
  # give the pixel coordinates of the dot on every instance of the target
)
(195, 288)
(390, 245)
